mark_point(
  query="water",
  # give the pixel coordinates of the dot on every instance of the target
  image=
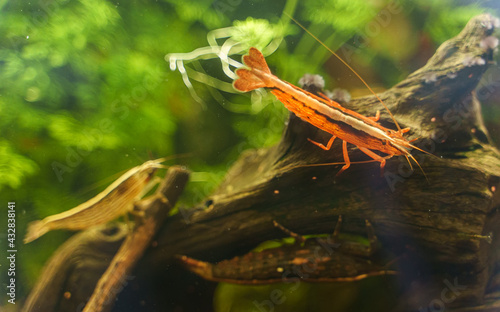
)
(91, 89)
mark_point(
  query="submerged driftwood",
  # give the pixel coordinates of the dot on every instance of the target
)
(438, 225)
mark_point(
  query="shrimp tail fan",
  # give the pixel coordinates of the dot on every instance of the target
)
(249, 78)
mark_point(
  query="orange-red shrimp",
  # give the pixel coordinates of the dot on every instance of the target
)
(325, 114)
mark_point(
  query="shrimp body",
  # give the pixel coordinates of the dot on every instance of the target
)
(325, 114)
(116, 200)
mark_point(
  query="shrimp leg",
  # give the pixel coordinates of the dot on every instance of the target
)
(346, 158)
(375, 157)
(328, 145)
(298, 238)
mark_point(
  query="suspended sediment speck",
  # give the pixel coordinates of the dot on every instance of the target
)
(429, 78)
(470, 61)
(339, 95)
(488, 43)
(312, 80)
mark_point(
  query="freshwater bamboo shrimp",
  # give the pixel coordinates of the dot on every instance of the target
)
(116, 200)
(320, 259)
(327, 115)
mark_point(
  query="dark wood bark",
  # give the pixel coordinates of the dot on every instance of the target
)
(436, 223)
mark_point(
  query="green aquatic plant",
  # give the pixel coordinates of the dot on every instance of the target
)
(14, 168)
(444, 20)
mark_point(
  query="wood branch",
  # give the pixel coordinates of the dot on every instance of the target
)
(70, 276)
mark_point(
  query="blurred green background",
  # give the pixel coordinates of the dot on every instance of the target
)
(86, 92)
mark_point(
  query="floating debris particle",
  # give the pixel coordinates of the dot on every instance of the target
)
(451, 75)
(489, 43)
(490, 22)
(429, 77)
(339, 95)
(309, 80)
(479, 61)
(493, 189)
(433, 119)
(470, 61)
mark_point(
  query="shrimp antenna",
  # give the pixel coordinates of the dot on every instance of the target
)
(421, 169)
(348, 66)
(332, 164)
(176, 156)
(409, 162)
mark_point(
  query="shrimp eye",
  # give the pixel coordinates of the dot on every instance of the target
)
(151, 171)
